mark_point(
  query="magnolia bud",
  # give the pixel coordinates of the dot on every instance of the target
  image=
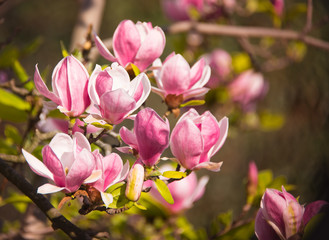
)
(252, 179)
(135, 182)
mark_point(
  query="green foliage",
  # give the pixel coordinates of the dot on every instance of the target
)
(174, 174)
(19, 201)
(192, 103)
(105, 126)
(243, 232)
(221, 222)
(65, 53)
(270, 121)
(119, 198)
(241, 62)
(164, 190)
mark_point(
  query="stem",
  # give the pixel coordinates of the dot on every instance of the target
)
(57, 219)
(247, 32)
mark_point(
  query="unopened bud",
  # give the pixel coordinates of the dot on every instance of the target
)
(252, 179)
(135, 182)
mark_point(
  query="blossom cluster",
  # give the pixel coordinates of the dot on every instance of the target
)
(108, 96)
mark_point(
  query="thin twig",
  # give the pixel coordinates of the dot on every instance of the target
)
(57, 219)
(248, 32)
(309, 14)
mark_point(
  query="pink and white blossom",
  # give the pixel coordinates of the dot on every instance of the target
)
(70, 86)
(184, 192)
(114, 97)
(196, 138)
(281, 216)
(67, 161)
(149, 138)
(176, 78)
(138, 43)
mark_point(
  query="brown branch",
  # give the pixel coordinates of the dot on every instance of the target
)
(57, 219)
(91, 13)
(309, 14)
(247, 32)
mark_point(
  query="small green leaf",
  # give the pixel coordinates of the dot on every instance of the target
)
(22, 75)
(241, 62)
(64, 51)
(105, 126)
(139, 206)
(174, 174)
(115, 186)
(119, 198)
(193, 103)
(9, 113)
(265, 177)
(164, 191)
(12, 134)
(10, 99)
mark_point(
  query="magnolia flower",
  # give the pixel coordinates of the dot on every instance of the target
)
(184, 192)
(196, 138)
(149, 138)
(281, 216)
(220, 63)
(112, 172)
(278, 6)
(113, 95)
(67, 162)
(179, 10)
(247, 88)
(70, 86)
(177, 82)
(138, 43)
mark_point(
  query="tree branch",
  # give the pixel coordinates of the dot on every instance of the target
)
(247, 32)
(57, 219)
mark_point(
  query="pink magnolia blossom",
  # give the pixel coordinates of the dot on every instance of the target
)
(138, 43)
(113, 95)
(220, 63)
(247, 88)
(281, 216)
(252, 179)
(149, 138)
(278, 6)
(184, 192)
(196, 138)
(175, 78)
(179, 10)
(70, 86)
(67, 162)
(112, 172)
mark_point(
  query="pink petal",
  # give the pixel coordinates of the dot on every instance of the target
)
(160, 92)
(81, 169)
(152, 134)
(116, 105)
(126, 42)
(175, 75)
(54, 165)
(49, 188)
(150, 49)
(129, 137)
(223, 130)
(200, 188)
(127, 150)
(312, 209)
(103, 83)
(92, 85)
(103, 49)
(96, 175)
(144, 91)
(263, 230)
(186, 143)
(112, 165)
(81, 142)
(292, 217)
(37, 166)
(195, 93)
(212, 166)
(196, 72)
(42, 88)
(62, 146)
(203, 80)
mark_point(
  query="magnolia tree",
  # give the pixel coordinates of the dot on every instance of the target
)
(77, 135)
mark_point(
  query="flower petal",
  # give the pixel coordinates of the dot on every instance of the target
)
(212, 166)
(49, 188)
(263, 230)
(37, 166)
(103, 49)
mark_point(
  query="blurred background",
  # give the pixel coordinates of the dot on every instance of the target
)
(298, 95)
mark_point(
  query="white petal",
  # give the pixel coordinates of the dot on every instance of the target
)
(107, 198)
(96, 174)
(49, 188)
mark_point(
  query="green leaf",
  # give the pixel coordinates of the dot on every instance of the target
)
(105, 126)
(139, 206)
(119, 198)
(265, 177)
(22, 75)
(271, 122)
(8, 55)
(174, 174)
(12, 134)
(193, 103)
(241, 62)
(115, 186)
(11, 100)
(164, 191)
(64, 51)
(9, 113)
(243, 232)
